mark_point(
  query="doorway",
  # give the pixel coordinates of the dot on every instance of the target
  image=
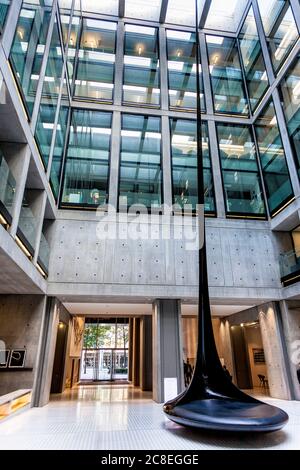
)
(104, 355)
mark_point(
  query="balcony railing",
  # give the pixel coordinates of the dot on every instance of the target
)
(7, 190)
(27, 228)
(290, 267)
(44, 254)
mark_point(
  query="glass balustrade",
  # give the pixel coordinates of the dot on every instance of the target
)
(7, 190)
(27, 229)
(44, 254)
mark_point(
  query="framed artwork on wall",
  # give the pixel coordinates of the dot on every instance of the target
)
(4, 358)
(17, 358)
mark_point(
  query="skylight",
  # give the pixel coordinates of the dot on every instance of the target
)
(225, 15)
(143, 9)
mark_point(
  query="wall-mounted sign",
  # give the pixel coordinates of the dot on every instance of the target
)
(17, 358)
(258, 356)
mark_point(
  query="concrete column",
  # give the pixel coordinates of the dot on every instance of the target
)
(42, 383)
(40, 221)
(118, 91)
(290, 314)
(274, 351)
(130, 349)
(167, 350)
(226, 347)
(136, 353)
(146, 353)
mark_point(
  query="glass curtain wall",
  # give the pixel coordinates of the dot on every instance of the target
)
(50, 92)
(141, 66)
(86, 173)
(290, 96)
(140, 167)
(28, 48)
(96, 60)
(59, 146)
(226, 76)
(72, 43)
(280, 29)
(4, 6)
(181, 53)
(241, 178)
(253, 61)
(273, 162)
(184, 165)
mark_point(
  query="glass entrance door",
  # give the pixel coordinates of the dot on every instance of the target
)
(105, 353)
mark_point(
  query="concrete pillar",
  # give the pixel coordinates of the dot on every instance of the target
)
(130, 349)
(226, 347)
(167, 350)
(42, 383)
(274, 351)
(290, 314)
(146, 353)
(136, 353)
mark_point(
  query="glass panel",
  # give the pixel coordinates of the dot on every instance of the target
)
(28, 48)
(181, 51)
(44, 130)
(65, 21)
(141, 66)
(275, 171)
(27, 225)
(253, 61)
(226, 75)
(58, 151)
(7, 189)
(4, 6)
(280, 29)
(50, 92)
(140, 168)
(96, 61)
(87, 164)
(184, 164)
(290, 95)
(225, 15)
(180, 12)
(105, 7)
(44, 253)
(143, 9)
(242, 185)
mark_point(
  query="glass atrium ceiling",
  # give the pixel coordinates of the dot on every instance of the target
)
(223, 15)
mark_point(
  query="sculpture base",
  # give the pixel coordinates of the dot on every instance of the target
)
(227, 415)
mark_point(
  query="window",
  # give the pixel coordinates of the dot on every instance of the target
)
(140, 166)
(4, 6)
(290, 96)
(73, 39)
(141, 66)
(28, 48)
(182, 71)
(280, 29)
(50, 92)
(87, 163)
(182, 13)
(96, 61)
(273, 162)
(241, 180)
(184, 164)
(226, 76)
(143, 9)
(58, 150)
(253, 61)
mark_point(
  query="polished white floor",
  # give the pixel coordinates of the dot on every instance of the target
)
(120, 417)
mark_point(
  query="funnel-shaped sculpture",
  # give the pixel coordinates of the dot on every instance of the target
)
(212, 401)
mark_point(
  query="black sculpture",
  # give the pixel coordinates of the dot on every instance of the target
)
(212, 401)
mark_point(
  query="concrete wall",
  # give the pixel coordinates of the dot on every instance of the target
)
(243, 262)
(21, 319)
(290, 312)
